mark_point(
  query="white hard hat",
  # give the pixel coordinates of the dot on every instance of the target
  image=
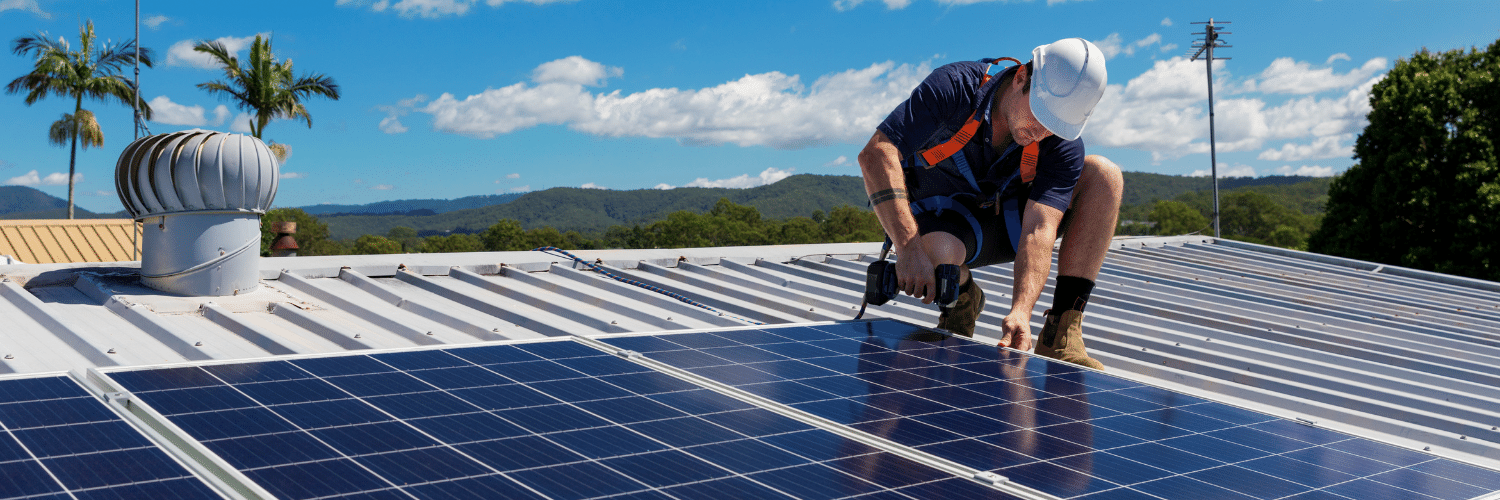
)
(1067, 80)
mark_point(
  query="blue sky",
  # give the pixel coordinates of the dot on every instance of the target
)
(451, 98)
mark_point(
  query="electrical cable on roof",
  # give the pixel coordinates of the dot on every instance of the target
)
(599, 269)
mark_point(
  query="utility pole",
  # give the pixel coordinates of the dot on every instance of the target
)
(1209, 42)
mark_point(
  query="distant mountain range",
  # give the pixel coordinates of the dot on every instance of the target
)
(412, 207)
(592, 211)
(21, 202)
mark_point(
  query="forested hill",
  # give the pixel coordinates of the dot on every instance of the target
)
(21, 202)
(1142, 187)
(592, 211)
(407, 207)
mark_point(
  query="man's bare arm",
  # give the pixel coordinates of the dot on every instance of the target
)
(880, 162)
(1033, 265)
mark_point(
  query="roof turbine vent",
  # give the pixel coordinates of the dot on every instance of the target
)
(200, 195)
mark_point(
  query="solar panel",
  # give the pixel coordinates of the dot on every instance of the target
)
(1047, 425)
(534, 420)
(60, 442)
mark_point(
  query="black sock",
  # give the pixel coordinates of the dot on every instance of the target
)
(1072, 293)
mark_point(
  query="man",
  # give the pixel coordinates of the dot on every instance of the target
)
(950, 175)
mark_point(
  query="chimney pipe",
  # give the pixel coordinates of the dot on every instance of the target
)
(200, 195)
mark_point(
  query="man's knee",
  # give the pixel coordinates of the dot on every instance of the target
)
(943, 248)
(1101, 174)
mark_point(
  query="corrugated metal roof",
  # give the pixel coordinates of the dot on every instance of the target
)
(59, 241)
(1404, 356)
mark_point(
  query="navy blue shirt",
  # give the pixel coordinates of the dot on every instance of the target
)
(945, 100)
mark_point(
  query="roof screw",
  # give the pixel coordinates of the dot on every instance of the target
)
(669, 318)
(497, 330)
(198, 344)
(1465, 438)
(1492, 427)
(110, 351)
(613, 322)
(356, 335)
(1179, 344)
(809, 309)
(429, 334)
(7, 356)
(1426, 448)
(1143, 348)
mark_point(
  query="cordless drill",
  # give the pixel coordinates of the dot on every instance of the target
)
(881, 287)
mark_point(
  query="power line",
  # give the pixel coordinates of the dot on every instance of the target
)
(1206, 48)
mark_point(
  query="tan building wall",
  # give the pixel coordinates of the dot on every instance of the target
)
(54, 241)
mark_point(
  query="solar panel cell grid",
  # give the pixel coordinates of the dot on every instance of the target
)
(552, 419)
(58, 441)
(1054, 427)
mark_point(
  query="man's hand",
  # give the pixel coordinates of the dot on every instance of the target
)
(914, 272)
(1016, 330)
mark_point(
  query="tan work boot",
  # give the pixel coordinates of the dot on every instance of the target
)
(960, 318)
(1062, 339)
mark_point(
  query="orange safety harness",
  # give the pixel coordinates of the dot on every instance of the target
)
(956, 143)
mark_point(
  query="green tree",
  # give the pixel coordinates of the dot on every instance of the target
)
(312, 234)
(375, 244)
(506, 235)
(265, 86)
(847, 224)
(1175, 217)
(406, 236)
(457, 242)
(1426, 191)
(92, 71)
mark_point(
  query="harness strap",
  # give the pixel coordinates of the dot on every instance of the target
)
(956, 143)
(937, 204)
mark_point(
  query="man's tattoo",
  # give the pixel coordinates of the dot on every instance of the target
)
(887, 195)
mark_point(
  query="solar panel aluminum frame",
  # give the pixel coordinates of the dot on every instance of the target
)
(162, 442)
(959, 470)
(187, 451)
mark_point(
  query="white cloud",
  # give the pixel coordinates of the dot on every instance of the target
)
(1286, 76)
(391, 124)
(1306, 170)
(1320, 148)
(768, 109)
(520, 189)
(33, 179)
(155, 22)
(182, 53)
(1227, 171)
(1164, 111)
(663, 186)
(26, 5)
(1169, 47)
(1166, 21)
(838, 162)
(575, 69)
(590, 185)
(769, 176)
(163, 110)
(843, 5)
(383, 187)
(1337, 57)
(1114, 45)
(241, 123)
(513, 176)
(432, 9)
(293, 175)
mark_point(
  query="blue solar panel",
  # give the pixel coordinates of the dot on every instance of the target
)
(535, 420)
(61, 442)
(1051, 426)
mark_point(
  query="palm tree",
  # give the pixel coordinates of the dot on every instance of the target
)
(266, 86)
(91, 71)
